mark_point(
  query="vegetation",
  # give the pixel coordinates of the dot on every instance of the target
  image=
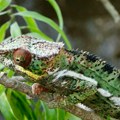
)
(15, 105)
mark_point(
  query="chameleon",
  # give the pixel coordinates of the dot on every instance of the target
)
(78, 75)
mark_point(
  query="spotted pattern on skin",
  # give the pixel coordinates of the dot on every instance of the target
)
(38, 47)
(108, 77)
(75, 75)
(84, 107)
(95, 69)
(104, 93)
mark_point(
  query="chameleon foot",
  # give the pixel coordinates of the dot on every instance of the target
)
(37, 89)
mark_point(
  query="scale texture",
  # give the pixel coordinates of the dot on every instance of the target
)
(78, 75)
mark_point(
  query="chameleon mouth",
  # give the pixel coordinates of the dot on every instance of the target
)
(27, 72)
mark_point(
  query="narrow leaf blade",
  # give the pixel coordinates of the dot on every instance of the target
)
(48, 21)
(5, 108)
(3, 29)
(4, 4)
(59, 15)
(31, 23)
(15, 30)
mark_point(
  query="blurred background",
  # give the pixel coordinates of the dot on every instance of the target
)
(87, 24)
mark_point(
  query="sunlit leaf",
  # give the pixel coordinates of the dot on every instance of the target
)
(31, 23)
(4, 4)
(9, 72)
(15, 30)
(19, 105)
(71, 117)
(59, 15)
(41, 34)
(2, 89)
(36, 35)
(60, 114)
(5, 12)
(50, 22)
(5, 108)
(3, 30)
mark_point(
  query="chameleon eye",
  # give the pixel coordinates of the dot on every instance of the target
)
(17, 59)
(22, 57)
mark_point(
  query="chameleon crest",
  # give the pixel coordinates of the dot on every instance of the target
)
(38, 47)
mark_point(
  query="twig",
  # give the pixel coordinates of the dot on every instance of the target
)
(111, 9)
(50, 98)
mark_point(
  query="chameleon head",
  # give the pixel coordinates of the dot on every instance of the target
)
(27, 51)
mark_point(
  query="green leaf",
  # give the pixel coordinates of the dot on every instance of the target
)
(34, 34)
(59, 15)
(15, 30)
(5, 12)
(69, 116)
(30, 21)
(2, 89)
(9, 72)
(41, 34)
(60, 114)
(38, 110)
(3, 29)
(31, 24)
(4, 4)
(44, 114)
(20, 105)
(50, 22)
(5, 108)
(1, 66)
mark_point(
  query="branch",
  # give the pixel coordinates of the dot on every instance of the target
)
(50, 98)
(111, 9)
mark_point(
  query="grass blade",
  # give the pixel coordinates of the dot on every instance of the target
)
(59, 15)
(3, 29)
(5, 108)
(15, 30)
(48, 21)
(4, 4)
(31, 23)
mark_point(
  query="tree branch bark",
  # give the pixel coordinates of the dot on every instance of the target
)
(111, 9)
(50, 98)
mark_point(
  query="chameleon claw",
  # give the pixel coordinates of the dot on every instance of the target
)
(37, 89)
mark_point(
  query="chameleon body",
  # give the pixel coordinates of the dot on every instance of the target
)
(80, 76)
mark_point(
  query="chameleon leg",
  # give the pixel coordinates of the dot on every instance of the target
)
(37, 89)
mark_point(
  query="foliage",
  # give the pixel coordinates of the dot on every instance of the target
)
(15, 105)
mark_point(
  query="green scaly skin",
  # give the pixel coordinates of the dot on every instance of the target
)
(74, 89)
(77, 90)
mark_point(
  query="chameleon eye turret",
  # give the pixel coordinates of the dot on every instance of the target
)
(22, 57)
